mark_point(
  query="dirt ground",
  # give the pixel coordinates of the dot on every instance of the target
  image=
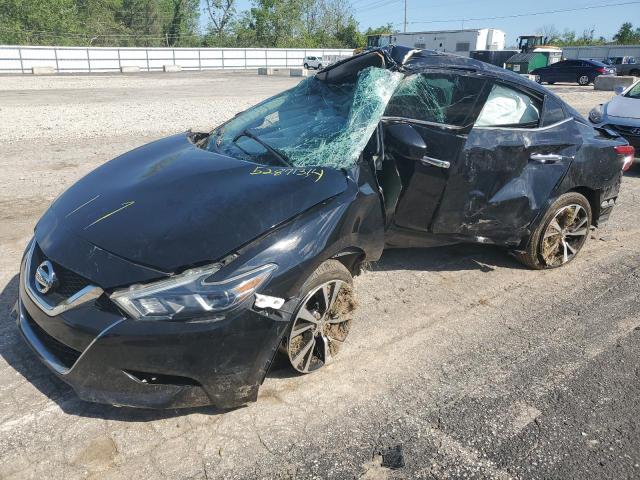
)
(472, 364)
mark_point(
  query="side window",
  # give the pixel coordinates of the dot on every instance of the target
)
(446, 98)
(553, 112)
(508, 107)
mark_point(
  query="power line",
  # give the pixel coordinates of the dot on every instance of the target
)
(376, 4)
(531, 14)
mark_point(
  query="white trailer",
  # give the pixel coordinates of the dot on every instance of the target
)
(460, 42)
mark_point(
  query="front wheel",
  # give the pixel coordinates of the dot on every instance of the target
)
(584, 80)
(306, 65)
(319, 66)
(322, 319)
(635, 73)
(560, 235)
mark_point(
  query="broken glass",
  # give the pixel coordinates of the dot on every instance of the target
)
(436, 97)
(315, 123)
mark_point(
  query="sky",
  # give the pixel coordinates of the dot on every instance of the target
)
(446, 15)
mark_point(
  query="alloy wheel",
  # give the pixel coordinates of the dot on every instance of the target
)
(320, 327)
(583, 80)
(565, 235)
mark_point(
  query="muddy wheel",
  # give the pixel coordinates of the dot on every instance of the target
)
(584, 80)
(322, 319)
(560, 235)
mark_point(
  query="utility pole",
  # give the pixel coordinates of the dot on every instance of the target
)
(405, 16)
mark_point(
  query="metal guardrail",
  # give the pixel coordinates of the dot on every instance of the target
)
(19, 59)
(601, 51)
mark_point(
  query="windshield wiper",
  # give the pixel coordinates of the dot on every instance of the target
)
(282, 158)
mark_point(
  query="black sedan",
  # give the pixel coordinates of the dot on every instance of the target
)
(172, 275)
(582, 72)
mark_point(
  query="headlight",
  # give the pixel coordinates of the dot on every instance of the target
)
(596, 115)
(191, 294)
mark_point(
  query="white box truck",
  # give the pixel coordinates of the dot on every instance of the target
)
(460, 42)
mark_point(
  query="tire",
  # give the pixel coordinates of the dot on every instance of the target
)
(635, 73)
(560, 235)
(584, 80)
(316, 332)
(550, 83)
(306, 65)
(319, 66)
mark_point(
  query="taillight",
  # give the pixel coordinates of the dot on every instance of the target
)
(601, 70)
(626, 153)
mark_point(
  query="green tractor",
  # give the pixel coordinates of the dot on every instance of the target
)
(534, 53)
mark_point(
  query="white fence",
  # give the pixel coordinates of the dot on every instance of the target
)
(16, 59)
(600, 52)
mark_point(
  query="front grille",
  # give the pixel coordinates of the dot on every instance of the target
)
(69, 283)
(67, 356)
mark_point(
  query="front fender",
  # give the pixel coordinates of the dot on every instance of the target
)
(352, 219)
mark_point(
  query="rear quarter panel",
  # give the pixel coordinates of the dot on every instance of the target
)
(596, 168)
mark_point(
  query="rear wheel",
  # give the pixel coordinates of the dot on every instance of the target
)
(635, 73)
(584, 80)
(560, 235)
(319, 66)
(322, 319)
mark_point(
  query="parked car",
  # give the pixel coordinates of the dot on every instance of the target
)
(625, 66)
(622, 115)
(582, 72)
(314, 62)
(171, 275)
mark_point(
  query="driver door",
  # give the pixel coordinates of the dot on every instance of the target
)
(438, 104)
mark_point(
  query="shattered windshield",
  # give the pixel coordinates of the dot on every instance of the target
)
(313, 124)
(634, 92)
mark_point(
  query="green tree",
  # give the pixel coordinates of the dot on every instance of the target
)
(221, 16)
(143, 20)
(183, 23)
(349, 36)
(383, 29)
(627, 35)
(33, 22)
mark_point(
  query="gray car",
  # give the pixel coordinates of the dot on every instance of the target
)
(621, 114)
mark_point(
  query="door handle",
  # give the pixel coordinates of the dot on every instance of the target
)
(435, 162)
(546, 158)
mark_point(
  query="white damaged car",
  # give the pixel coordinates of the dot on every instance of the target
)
(621, 114)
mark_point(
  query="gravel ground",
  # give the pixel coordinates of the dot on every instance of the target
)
(475, 366)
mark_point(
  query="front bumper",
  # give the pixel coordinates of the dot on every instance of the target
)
(108, 358)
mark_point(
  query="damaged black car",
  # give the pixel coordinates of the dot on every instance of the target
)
(172, 275)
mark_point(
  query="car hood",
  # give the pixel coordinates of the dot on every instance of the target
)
(624, 107)
(169, 205)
